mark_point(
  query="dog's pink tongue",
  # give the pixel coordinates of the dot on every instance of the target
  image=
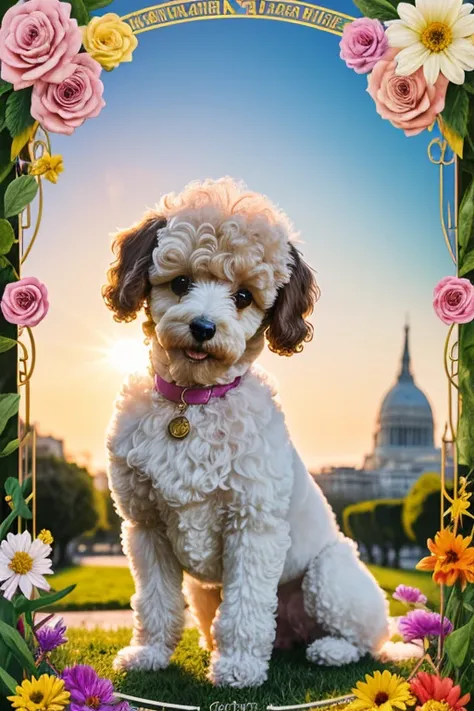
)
(196, 355)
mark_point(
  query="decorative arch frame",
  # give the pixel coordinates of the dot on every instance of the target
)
(25, 147)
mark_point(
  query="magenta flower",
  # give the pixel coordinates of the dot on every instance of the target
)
(25, 302)
(409, 595)
(453, 300)
(51, 636)
(419, 624)
(37, 41)
(363, 43)
(89, 692)
(61, 108)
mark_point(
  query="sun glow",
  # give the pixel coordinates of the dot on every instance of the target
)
(127, 355)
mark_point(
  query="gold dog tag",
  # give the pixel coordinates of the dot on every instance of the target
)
(179, 427)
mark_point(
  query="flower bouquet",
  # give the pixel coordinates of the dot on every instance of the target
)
(418, 57)
(27, 673)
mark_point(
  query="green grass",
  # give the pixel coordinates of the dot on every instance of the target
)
(97, 588)
(110, 588)
(291, 679)
(389, 578)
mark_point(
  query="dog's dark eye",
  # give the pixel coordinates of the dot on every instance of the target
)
(243, 298)
(180, 285)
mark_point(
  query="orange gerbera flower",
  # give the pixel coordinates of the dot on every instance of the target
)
(435, 693)
(451, 559)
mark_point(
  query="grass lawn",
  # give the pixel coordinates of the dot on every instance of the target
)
(292, 679)
(97, 588)
(110, 588)
(388, 579)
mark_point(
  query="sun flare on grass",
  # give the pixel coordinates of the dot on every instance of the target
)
(127, 355)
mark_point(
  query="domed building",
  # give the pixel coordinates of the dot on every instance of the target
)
(404, 431)
(403, 445)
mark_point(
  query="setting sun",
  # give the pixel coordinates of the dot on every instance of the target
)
(127, 355)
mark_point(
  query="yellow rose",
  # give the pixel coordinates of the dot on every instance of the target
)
(109, 40)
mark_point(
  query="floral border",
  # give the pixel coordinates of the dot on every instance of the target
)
(416, 59)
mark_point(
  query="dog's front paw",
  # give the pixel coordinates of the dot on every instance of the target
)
(143, 658)
(238, 670)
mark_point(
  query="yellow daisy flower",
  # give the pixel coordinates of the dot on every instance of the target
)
(383, 691)
(46, 536)
(48, 166)
(44, 694)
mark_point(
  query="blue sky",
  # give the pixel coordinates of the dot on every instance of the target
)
(271, 103)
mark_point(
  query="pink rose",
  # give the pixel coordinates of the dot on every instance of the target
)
(407, 102)
(363, 43)
(25, 302)
(63, 107)
(37, 41)
(453, 300)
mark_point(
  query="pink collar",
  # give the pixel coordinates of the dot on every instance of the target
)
(192, 396)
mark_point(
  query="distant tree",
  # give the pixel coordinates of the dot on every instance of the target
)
(421, 508)
(114, 520)
(65, 502)
(339, 503)
(359, 524)
(101, 528)
(387, 515)
(377, 524)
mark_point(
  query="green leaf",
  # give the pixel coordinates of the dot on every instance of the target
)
(6, 170)
(18, 114)
(457, 644)
(456, 109)
(377, 9)
(6, 344)
(18, 647)
(3, 110)
(7, 236)
(9, 449)
(13, 489)
(8, 681)
(79, 11)
(96, 4)
(466, 221)
(467, 264)
(7, 612)
(19, 194)
(6, 524)
(4, 87)
(22, 604)
(27, 486)
(9, 404)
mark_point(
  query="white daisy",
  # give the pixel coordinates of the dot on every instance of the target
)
(435, 35)
(23, 563)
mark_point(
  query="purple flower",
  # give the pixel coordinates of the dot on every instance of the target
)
(419, 624)
(51, 636)
(89, 692)
(409, 595)
(363, 43)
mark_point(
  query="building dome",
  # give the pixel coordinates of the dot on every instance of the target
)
(405, 428)
(405, 399)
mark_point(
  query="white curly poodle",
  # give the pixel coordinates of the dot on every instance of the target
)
(218, 508)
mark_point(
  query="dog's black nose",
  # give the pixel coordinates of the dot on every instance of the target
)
(202, 329)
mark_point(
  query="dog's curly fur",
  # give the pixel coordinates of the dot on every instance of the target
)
(231, 509)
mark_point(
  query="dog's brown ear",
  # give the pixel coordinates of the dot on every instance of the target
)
(127, 279)
(287, 326)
